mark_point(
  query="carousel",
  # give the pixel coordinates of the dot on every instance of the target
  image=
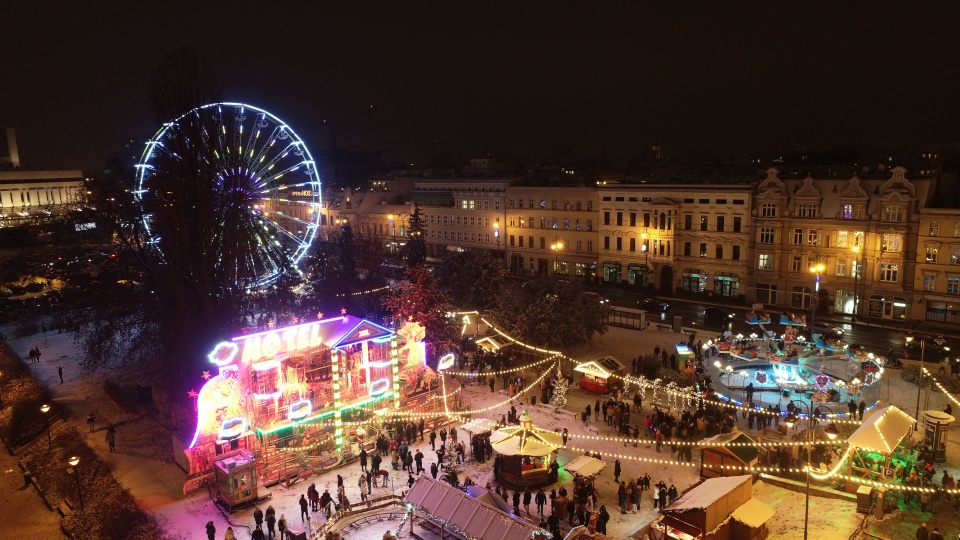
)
(525, 452)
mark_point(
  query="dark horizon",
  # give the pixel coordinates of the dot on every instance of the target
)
(518, 79)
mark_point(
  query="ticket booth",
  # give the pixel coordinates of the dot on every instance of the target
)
(236, 479)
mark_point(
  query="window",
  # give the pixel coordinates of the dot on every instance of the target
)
(955, 256)
(543, 243)
(646, 219)
(566, 224)
(704, 201)
(736, 252)
(521, 203)
(720, 223)
(956, 230)
(953, 284)
(796, 263)
(633, 219)
(687, 248)
(633, 244)
(543, 223)
(856, 269)
(619, 244)
(806, 210)
(934, 228)
(813, 237)
(719, 251)
(606, 242)
(842, 239)
(512, 204)
(889, 272)
(768, 209)
(606, 218)
(530, 221)
(703, 249)
(543, 203)
(891, 242)
(929, 282)
(511, 240)
(703, 222)
(521, 222)
(893, 213)
(553, 204)
(589, 206)
(496, 205)
(619, 218)
(848, 211)
(766, 293)
(932, 254)
(688, 222)
(530, 239)
(579, 246)
(737, 223)
(579, 208)
(554, 223)
(858, 239)
(521, 242)
(765, 261)
(767, 235)
(579, 225)
(589, 225)
(798, 237)
(486, 237)
(721, 201)
(841, 267)
(589, 246)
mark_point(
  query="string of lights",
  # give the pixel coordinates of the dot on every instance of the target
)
(940, 386)
(500, 371)
(703, 443)
(692, 463)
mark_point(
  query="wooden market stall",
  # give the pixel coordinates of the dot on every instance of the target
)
(526, 452)
(585, 466)
(236, 479)
(717, 509)
(874, 452)
(722, 451)
(601, 375)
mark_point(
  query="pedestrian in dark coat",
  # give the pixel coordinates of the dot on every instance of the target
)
(433, 470)
(363, 460)
(271, 520)
(111, 438)
(211, 530)
(616, 471)
(862, 408)
(258, 518)
(304, 510)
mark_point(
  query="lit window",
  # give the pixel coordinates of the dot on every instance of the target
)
(932, 254)
(929, 282)
(841, 239)
(889, 272)
(891, 242)
(841, 267)
(934, 228)
(953, 284)
(765, 261)
(893, 213)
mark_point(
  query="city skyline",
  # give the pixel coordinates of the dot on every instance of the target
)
(521, 81)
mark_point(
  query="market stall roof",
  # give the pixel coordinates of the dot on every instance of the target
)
(585, 466)
(479, 425)
(883, 430)
(747, 454)
(475, 518)
(486, 496)
(490, 343)
(709, 492)
(593, 369)
(753, 513)
(525, 440)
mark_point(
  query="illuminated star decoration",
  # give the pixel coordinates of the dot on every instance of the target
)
(270, 323)
(343, 311)
(206, 375)
(319, 315)
(192, 394)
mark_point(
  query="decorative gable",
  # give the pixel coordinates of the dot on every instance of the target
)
(772, 186)
(854, 191)
(898, 183)
(808, 191)
(364, 331)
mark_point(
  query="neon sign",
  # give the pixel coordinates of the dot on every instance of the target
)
(379, 386)
(273, 342)
(232, 428)
(446, 362)
(223, 354)
(300, 410)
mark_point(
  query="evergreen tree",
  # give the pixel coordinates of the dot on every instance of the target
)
(416, 239)
(560, 387)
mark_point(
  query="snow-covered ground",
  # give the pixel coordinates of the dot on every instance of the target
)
(143, 464)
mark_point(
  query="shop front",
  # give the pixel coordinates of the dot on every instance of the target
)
(726, 284)
(945, 311)
(694, 280)
(611, 271)
(638, 274)
(887, 307)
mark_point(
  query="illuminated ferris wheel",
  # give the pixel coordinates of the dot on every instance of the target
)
(255, 174)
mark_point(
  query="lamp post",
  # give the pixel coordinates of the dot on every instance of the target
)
(939, 341)
(45, 409)
(856, 277)
(556, 246)
(831, 432)
(496, 236)
(816, 269)
(74, 462)
(646, 258)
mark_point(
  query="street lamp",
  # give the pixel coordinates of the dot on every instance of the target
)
(856, 276)
(939, 341)
(816, 269)
(646, 258)
(496, 233)
(74, 461)
(831, 432)
(45, 409)
(556, 247)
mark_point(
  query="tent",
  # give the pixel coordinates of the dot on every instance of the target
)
(491, 344)
(478, 426)
(525, 452)
(585, 466)
(597, 374)
(453, 510)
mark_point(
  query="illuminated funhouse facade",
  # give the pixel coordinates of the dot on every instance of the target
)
(305, 387)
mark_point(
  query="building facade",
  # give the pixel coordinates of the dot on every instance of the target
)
(30, 195)
(936, 281)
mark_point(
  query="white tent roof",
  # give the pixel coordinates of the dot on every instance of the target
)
(475, 518)
(592, 368)
(479, 425)
(753, 513)
(517, 441)
(490, 343)
(585, 466)
(883, 430)
(708, 492)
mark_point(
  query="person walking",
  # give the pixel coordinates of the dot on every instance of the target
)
(211, 530)
(271, 520)
(229, 534)
(541, 500)
(527, 496)
(258, 518)
(111, 438)
(616, 471)
(361, 481)
(434, 470)
(935, 534)
(433, 440)
(282, 526)
(418, 457)
(363, 460)
(862, 408)
(304, 509)
(91, 421)
(922, 532)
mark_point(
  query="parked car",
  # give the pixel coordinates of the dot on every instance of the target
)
(652, 304)
(594, 296)
(718, 314)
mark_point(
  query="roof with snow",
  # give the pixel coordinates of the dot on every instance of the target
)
(521, 441)
(585, 466)
(479, 425)
(593, 369)
(709, 492)
(746, 454)
(753, 513)
(883, 430)
(470, 517)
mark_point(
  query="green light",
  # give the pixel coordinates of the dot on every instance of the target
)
(304, 421)
(364, 402)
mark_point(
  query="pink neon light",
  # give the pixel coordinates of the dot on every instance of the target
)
(284, 329)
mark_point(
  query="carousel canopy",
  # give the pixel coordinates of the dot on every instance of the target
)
(479, 425)
(472, 517)
(525, 440)
(883, 430)
(585, 466)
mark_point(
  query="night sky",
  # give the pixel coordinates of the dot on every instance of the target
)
(515, 77)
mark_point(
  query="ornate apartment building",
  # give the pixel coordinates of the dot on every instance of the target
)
(936, 282)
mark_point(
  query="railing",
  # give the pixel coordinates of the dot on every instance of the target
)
(370, 505)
